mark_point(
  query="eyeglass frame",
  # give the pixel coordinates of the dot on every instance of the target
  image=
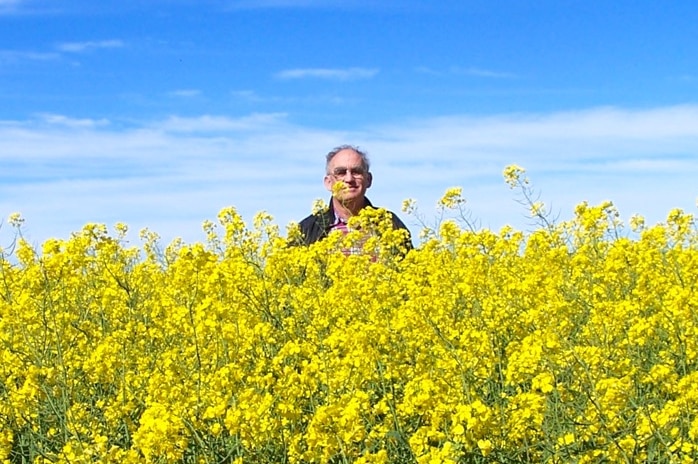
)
(355, 172)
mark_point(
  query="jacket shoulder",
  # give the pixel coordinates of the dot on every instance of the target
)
(308, 221)
(314, 227)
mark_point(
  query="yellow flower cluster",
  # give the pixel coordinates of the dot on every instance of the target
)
(572, 343)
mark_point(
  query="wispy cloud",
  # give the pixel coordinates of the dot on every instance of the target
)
(13, 56)
(9, 6)
(258, 4)
(251, 96)
(171, 174)
(428, 70)
(488, 73)
(248, 95)
(208, 123)
(328, 73)
(185, 93)
(685, 78)
(471, 71)
(58, 120)
(80, 47)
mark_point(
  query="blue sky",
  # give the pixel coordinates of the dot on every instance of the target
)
(160, 113)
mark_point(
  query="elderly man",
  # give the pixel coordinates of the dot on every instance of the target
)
(350, 166)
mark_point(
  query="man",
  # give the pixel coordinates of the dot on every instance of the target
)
(349, 166)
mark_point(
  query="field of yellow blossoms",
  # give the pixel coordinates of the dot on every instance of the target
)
(576, 341)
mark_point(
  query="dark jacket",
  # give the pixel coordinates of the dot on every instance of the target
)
(316, 226)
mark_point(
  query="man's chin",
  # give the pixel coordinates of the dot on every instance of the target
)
(347, 197)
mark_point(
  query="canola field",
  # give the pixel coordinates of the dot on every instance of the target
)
(573, 342)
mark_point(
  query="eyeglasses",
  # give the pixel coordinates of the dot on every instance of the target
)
(357, 171)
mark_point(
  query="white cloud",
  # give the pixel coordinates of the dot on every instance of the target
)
(427, 70)
(488, 73)
(685, 78)
(8, 56)
(80, 47)
(64, 121)
(254, 97)
(8, 5)
(472, 71)
(258, 4)
(325, 73)
(270, 3)
(249, 95)
(208, 123)
(12, 56)
(185, 93)
(170, 175)
(308, 99)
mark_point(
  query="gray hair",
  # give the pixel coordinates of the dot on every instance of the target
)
(365, 163)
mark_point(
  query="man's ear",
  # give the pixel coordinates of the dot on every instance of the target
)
(369, 180)
(329, 182)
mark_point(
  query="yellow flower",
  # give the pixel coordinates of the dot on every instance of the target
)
(485, 446)
(319, 206)
(537, 208)
(513, 175)
(15, 220)
(566, 440)
(452, 198)
(576, 340)
(637, 223)
(409, 206)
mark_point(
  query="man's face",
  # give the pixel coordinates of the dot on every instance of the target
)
(347, 169)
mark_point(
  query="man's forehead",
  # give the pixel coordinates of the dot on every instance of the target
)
(345, 155)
